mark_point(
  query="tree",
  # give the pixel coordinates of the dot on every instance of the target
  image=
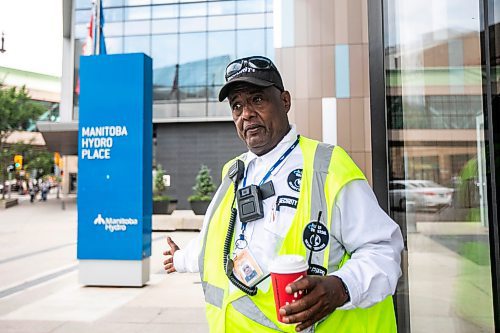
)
(40, 161)
(17, 110)
(204, 185)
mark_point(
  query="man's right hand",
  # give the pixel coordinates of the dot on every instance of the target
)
(169, 262)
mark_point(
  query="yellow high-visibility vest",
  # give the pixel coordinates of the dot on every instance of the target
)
(325, 171)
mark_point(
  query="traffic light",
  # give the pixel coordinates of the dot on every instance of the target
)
(57, 159)
(18, 162)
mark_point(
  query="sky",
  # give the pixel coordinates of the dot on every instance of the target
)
(33, 35)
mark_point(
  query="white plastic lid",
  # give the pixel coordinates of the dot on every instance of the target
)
(289, 263)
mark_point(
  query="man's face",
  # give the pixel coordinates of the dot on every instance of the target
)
(260, 116)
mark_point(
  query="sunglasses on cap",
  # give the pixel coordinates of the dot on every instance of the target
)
(260, 63)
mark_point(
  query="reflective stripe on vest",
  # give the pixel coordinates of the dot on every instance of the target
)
(213, 295)
(246, 307)
(322, 159)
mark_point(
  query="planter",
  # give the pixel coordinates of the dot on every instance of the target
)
(164, 206)
(7, 203)
(199, 207)
(172, 205)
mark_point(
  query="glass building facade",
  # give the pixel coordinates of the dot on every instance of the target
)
(190, 43)
(441, 79)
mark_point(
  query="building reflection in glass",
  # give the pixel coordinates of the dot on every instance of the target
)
(437, 188)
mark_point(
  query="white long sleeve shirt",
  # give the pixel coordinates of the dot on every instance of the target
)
(359, 226)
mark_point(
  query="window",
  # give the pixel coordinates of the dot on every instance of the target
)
(137, 44)
(250, 42)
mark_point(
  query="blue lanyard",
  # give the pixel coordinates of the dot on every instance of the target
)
(278, 162)
(241, 243)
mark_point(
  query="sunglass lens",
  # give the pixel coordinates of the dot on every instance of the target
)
(260, 63)
(233, 68)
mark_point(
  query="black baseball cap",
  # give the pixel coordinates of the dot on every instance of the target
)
(256, 70)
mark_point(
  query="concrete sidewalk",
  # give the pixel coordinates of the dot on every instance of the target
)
(40, 293)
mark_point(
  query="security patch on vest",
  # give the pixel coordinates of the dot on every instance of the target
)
(287, 201)
(316, 270)
(294, 179)
(315, 240)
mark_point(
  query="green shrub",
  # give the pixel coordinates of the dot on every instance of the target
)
(159, 186)
(204, 186)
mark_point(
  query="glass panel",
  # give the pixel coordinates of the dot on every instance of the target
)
(192, 24)
(269, 5)
(193, 67)
(221, 7)
(113, 14)
(227, 22)
(113, 29)
(81, 30)
(436, 136)
(269, 20)
(164, 26)
(137, 27)
(83, 4)
(269, 43)
(194, 9)
(114, 45)
(251, 6)
(137, 2)
(83, 16)
(136, 44)
(221, 47)
(164, 1)
(112, 3)
(250, 21)
(165, 11)
(164, 53)
(138, 13)
(249, 42)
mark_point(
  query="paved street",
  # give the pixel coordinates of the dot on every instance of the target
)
(39, 289)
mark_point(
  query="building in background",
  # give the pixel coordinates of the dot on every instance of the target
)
(406, 88)
(42, 88)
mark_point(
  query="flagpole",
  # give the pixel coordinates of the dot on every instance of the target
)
(98, 27)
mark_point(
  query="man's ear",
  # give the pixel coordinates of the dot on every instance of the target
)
(286, 99)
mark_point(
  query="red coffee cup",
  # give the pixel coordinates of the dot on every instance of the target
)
(284, 270)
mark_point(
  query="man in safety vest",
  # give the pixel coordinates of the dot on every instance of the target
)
(290, 195)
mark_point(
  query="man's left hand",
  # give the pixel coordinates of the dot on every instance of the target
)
(324, 295)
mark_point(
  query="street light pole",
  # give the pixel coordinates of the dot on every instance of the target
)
(2, 49)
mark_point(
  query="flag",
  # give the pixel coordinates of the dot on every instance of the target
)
(95, 43)
(88, 46)
(94, 33)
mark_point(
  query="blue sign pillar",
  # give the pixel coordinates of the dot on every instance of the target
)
(114, 169)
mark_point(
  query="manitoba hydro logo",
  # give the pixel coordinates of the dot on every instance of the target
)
(114, 224)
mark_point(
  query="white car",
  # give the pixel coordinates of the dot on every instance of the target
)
(425, 194)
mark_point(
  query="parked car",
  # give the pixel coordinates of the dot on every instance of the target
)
(425, 194)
